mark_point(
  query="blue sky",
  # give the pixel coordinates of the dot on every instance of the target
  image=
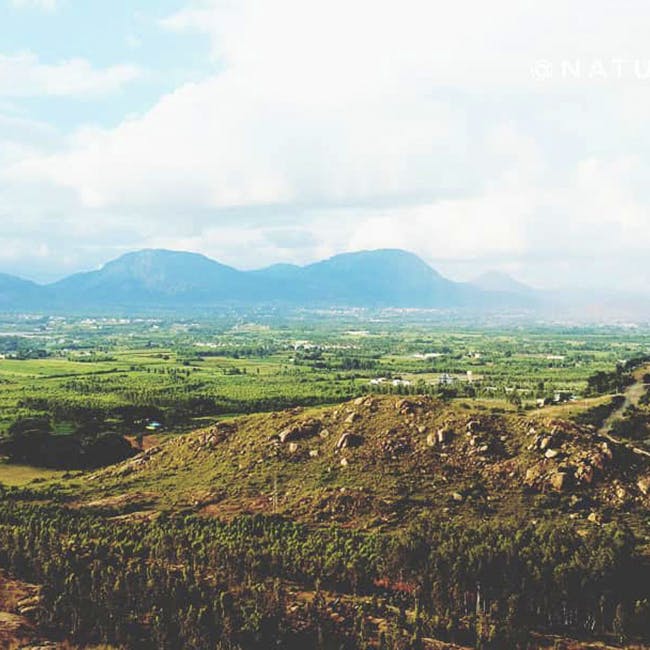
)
(511, 135)
(105, 34)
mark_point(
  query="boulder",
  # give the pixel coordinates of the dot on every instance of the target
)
(444, 435)
(348, 439)
(644, 485)
(353, 417)
(405, 406)
(432, 439)
(293, 447)
(559, 481)
(607, 452)
(299, 431)
(344, 462)
(313, 453)
(551, 453)
(532, 474)
(594, 518)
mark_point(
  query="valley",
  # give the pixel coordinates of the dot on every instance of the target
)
(343, 482)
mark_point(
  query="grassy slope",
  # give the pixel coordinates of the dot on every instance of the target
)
(390, 477)
(19, 475)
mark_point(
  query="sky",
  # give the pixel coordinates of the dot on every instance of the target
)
(511, 135)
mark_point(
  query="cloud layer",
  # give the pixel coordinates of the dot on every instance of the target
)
(509, 135)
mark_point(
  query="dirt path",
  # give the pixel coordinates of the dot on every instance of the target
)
(633, 394)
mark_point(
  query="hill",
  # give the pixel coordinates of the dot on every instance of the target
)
(384, 522)
(382, 460)
(15, 291)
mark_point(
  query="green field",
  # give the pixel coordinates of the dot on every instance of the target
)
(20, 475)
(81, 372)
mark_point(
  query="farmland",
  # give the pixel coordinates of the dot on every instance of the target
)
(103, 371)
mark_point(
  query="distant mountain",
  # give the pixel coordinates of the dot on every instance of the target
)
(499, 281)
(392, 278)
(154, 277)
(143, 281)
(15, 291)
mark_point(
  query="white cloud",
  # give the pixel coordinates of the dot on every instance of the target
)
(369, 123)
(23, 75)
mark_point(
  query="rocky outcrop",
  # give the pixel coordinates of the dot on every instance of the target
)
(300, 431)
(348, 439)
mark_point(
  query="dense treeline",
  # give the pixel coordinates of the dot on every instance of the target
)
(617, 380)
(609, 382)
(32, 441)
(191, 582)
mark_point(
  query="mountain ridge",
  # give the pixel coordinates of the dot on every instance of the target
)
(160, 281)
(152, 278)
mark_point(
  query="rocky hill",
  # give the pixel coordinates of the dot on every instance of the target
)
(378, 461)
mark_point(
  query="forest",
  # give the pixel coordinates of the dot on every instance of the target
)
(184, 581)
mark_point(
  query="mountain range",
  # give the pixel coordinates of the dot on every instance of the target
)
(151, 281)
